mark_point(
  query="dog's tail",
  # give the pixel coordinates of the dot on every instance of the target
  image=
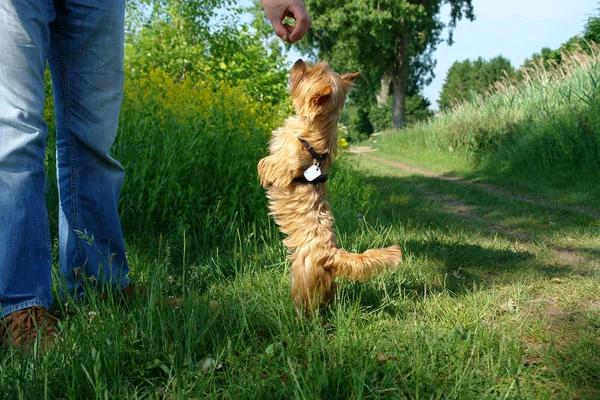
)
(360, 267)
(312, 279)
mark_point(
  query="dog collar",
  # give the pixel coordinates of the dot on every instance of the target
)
(303, 180)
(319, 158)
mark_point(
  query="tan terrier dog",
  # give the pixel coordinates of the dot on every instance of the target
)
(295, 173)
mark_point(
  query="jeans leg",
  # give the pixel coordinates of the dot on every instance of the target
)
(86, 62)
(25, 250)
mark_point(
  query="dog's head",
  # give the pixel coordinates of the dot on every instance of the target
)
(318, 89)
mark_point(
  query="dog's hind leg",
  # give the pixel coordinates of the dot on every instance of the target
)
(312, 283)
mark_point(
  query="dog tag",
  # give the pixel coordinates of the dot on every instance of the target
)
(312, 173)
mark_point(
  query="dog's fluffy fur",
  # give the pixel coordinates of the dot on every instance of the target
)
(301, 209)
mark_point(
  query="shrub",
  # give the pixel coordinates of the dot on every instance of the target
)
(190, 149)
(360, 126)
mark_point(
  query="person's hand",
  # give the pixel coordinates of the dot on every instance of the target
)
(277, 10)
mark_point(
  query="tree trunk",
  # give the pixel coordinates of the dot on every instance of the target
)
(382, 96)
(400, 83)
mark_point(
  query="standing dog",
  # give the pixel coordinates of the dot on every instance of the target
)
(295, 173)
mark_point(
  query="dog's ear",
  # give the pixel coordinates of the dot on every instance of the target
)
(298, 70)
(322, 96)
(349, 78)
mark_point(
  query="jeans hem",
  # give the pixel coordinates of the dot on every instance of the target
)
(26, 304)
(124, 283)
(81, 294)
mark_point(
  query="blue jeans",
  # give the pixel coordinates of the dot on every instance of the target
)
(82, 42)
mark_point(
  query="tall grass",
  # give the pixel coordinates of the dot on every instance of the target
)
(545, 125)
(190, 150)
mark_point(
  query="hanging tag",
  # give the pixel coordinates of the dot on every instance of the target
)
(312, 173)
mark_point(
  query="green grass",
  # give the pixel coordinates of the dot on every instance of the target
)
(540, 136)
(408, 148)
(495, 298)
(469, 313)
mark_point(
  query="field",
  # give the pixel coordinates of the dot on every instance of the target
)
(497, 295)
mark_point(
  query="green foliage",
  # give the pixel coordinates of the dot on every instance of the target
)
(381, 117)
(545, 127)
(360, 125)
(195, 14)
(547, 58)
(190, 149)
(468, 78)
(592, 30)
(390, 38)
(417, 109)
(177, 39)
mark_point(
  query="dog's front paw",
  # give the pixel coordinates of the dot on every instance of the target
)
(266, 184)
(263, 173)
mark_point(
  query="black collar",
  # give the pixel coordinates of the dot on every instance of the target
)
(319, 158)
(302, 179)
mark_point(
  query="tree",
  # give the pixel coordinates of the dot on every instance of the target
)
(467, 77)
(417, 109)
(457, 85)
(384, 40)
(592, 29)
(184, 38)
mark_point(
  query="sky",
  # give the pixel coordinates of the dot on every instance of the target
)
(514, 29)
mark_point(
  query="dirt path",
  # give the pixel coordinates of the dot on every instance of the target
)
(503, 193)
(562, 256)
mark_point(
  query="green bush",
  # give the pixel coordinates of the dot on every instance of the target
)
(360, 126)
(190, 149)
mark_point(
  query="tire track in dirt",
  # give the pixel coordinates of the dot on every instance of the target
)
(503, 193)
(562, 256)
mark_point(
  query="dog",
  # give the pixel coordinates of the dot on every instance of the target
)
(295, 174)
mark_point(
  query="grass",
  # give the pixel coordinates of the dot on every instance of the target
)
(470, 313)
(539, 136)
(496, 297)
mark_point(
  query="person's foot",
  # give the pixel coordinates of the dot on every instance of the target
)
(29, 330)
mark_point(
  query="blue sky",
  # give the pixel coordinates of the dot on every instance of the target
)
(514, 29)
